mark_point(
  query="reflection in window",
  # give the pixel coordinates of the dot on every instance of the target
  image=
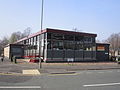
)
(69, 37)
(93, 40)
(79, 38)
(78, 46)
(57, 45)
(69, 45)
(16, 50)
(49, 45)
(57, 36)
(48, 35)
(94, 48)
(87, 47)
(87, 39)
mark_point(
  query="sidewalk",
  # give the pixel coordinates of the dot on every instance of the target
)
(50, 68)
(63, 67)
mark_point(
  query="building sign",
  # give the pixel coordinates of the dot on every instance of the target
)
(100, 48)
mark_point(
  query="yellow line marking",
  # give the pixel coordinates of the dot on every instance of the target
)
(20, 87)
(63, 74)
(17, 74)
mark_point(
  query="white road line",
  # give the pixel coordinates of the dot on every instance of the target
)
(95, 85)
(101, 72)
(109, 71)
(21, 87)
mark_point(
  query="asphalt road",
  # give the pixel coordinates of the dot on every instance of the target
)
(81, 80)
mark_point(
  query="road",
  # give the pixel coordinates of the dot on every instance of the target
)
(81, 80)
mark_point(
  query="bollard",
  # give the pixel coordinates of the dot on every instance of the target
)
(11, 58)
(14, 59)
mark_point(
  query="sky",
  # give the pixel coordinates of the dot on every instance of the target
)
(101, 17)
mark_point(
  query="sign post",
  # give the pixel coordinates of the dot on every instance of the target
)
(40, 61)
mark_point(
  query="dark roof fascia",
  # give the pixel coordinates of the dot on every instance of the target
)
(102, 43)
(70, 32)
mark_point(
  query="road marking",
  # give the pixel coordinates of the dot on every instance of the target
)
(18, 74)
(21, 87)
(109, 71)
(63, 74)
(95, 85)
(31, 71)
(101, 72)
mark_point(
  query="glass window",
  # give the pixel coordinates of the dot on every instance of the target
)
(87, 47)
(94, 48)
(49, 45)
(57, 45)
(87, 39)
(16, 50)
(69, 37)
(48, 35)
(69, 45)
(57, 36)
(78, 46)
(24, 42)
(93, 39)
(79, 38)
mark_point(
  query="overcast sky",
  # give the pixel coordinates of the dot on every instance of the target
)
(94, 16)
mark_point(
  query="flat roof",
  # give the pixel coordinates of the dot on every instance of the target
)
(69, 32)
(57, 31)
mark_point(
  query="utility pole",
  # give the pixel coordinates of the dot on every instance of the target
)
(41, 27)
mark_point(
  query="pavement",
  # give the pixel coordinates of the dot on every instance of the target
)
(59, 76)
(27, 68)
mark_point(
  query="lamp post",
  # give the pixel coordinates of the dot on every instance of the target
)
(42, 7)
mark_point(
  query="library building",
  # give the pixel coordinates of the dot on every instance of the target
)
(54, 45)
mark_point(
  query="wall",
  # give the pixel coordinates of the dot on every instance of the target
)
(7, 52)
(102, 53)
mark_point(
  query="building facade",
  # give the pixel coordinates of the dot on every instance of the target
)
(60, 45)
(102, 52)
(14, 50)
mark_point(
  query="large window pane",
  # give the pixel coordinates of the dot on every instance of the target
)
(69, 37)
(87, 47)
(48, 35)
(87, 40)
(79, 46)
(49, 45)
(69, 45)
(57, 36)
(57, 45)
(79, 38)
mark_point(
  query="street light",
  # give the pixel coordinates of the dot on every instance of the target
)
(42, 7)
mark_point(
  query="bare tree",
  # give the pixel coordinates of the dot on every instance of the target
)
(26, 32)
(3, 42)
(19, 35)
(114, 41)
(13, 38)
